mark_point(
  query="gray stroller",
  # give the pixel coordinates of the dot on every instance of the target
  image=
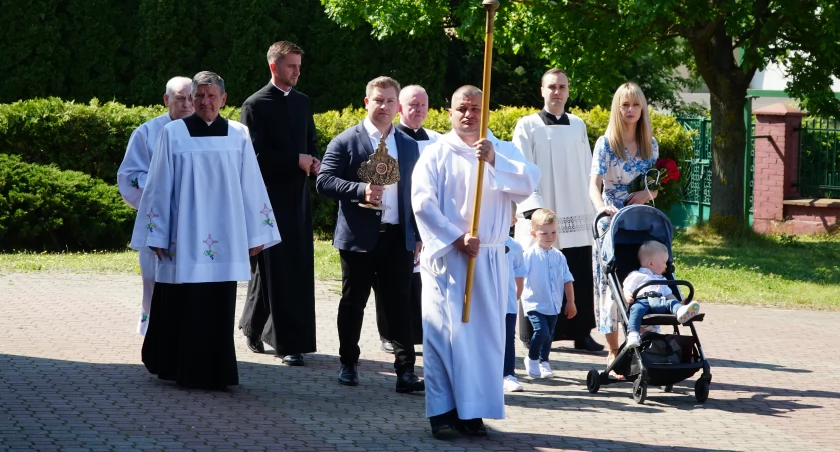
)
(660, 360)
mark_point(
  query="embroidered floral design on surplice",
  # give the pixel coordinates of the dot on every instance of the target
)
(210, 252)
(268, 220)
(169, 252)
(151, 216)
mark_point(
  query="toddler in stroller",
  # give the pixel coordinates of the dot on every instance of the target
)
(655, 359)
(658, 299)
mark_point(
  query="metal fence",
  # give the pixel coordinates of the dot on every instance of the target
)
(819, 158)
(697, 194)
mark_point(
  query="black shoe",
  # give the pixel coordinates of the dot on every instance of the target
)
(588, 344)
(295, 359)
(387, 346)
(445, 426)
(444, 431)
(255, 345)
(409, 382)
(472, 427)
(348, 376)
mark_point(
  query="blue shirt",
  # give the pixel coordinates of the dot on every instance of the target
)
(516, 269)
(547, 272)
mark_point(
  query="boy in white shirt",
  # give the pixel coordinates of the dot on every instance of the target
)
(547, 279)
(516, 271)
(658, 299)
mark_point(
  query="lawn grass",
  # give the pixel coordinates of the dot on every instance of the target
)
(125, 262)
(749, 269)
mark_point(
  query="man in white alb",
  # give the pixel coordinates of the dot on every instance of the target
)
(462, 361)
(557, 143)
(131, 177)
(204, 211)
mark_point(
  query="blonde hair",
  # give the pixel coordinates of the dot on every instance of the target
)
(543, 217)
(615, 130)
(651, 248)
(382, 83)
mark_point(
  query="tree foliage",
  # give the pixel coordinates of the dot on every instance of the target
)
(724, 41)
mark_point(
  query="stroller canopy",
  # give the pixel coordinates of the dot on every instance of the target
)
(634, 225)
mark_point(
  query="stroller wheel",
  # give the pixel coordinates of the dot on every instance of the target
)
(701, 390)
(593, 381)
(668, 388)
(639, 390)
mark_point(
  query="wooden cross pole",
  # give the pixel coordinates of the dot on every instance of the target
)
(490, 6)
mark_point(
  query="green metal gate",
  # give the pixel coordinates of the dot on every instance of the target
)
(697, 194)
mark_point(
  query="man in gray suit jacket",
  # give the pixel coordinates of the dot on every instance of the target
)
(377, 248)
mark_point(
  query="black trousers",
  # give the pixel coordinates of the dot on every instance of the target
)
(388, 269)
(256, 311)
(415, 314)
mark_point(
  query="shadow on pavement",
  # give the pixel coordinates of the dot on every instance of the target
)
(51, 403)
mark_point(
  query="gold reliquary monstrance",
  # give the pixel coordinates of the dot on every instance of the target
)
(380, 169)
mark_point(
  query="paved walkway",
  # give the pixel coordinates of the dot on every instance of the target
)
(71, 379)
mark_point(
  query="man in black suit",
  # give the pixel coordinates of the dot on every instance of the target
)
(377, 248)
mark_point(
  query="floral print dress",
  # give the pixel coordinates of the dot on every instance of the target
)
(617, 175)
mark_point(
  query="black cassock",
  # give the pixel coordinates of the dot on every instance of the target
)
(280, 307)
(579, 260)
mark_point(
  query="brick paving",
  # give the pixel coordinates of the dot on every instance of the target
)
(71, 379)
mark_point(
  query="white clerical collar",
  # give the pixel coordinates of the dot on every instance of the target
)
(285, 93)
(552, 114)
(373, 132)
(408, 126)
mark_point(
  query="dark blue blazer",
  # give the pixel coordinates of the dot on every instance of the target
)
(357, 228)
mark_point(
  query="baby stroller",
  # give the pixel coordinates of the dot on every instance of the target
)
(660, 360)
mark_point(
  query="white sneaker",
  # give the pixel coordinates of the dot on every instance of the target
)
(687, 312)
(512, 385)
(532, 366)
(633, 339)
(545, 370)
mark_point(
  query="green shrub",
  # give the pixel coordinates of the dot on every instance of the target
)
(88, 138)
(44, 208)
(92, 138)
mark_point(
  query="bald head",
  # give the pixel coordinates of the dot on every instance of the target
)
(414, 106)
(465, 91)
(465, 114)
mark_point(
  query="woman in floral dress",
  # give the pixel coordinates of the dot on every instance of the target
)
(626, 150)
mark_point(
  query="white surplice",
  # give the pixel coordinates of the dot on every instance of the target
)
(563, 155)
(206, 203)
(131, 179)
(463, 362)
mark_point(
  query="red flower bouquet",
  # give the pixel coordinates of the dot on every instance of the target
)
(666, 171)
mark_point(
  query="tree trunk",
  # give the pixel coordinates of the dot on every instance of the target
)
(728, 141)
(728, 82)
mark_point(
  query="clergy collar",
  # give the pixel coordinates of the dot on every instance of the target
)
(198, 127)
(550, 119)
(285, 93)
(405, 126)
(373, 132)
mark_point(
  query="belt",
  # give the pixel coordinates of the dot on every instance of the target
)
(385, 227)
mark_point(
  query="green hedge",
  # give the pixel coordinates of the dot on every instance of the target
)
(44, 208)
(91, 138)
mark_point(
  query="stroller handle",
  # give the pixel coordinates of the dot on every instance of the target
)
(598, 217)
(675, 283)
